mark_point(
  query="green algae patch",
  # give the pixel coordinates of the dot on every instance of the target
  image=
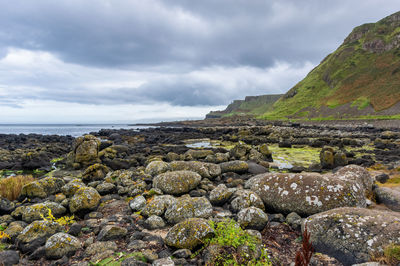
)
(295, 156)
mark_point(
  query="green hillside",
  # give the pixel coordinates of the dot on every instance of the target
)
(361, 79)
(251, 105)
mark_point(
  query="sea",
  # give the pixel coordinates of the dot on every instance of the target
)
(74, 130)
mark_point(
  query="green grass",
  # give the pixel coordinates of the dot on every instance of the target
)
(118, 258)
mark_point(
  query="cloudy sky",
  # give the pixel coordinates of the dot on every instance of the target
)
(71, 61)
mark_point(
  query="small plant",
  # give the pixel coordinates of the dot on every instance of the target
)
(2, 234)
(118, 258)
(303, 256)
(392, 254)
(230, 237)
(65, 220)
(10, 187)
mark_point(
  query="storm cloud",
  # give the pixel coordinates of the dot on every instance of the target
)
(176, 53)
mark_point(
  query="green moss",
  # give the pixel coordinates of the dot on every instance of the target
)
(118, 258)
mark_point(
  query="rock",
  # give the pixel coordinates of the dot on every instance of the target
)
(138, 203)
(86, 151)
(256, 169)
(198, 154)
(100, 247)
(60, 245)
(6, 206)
(244, 198)
(35, 235)
(84, 200)
(95, 172)
(34, 160)
(157, 167)
(182, 253)
(106, 188)
(351, 235)
(206, 170)
(331, 158)
(239, 152)
(154, 222)
(310, 193)
(158, 205)
(9, 257)
(239, 167)
(177, 182)
(39, 210)
(382, 178)
(220, 194)
(264, 150)
(252, 218)
(187, 207)
(163, 262)
(389, 197)
(294, 220)
(72, 186)
(14, 229)
(112, 232)
(189, 233)
(42, 188)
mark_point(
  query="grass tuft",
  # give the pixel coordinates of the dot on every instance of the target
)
(10, 187)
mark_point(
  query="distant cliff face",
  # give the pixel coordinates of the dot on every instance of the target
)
(361, 79)
(251, 105)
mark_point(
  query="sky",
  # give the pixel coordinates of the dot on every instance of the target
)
(127, 61)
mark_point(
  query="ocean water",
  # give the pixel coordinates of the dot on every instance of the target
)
(74, 130)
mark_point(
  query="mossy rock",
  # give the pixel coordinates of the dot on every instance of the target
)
(239, 167)
(84, 200)
(95, 172)
(71, 187)
(86, 150)
(189, 233)
(157, 167)
(42, 188)
(39, 210)
(188, 207)
(206, 170)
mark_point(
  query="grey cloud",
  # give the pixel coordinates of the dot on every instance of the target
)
(142, 34)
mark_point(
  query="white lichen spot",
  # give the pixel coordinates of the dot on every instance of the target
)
(370, 242)
(284, 193)
(266, 187)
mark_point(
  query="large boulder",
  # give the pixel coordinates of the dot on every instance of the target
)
(352, 235)
(42, 188)
(177, 182)
(206, 170)
(84, 200)
(187, 207)
(61, 244)
(189, 233)
(85, 151)
(310, 193)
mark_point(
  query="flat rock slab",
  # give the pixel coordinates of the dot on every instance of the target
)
(351, 235)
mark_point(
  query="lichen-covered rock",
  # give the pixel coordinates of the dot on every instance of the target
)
(239, 167)
(100, 249)
(36, 234)
(95, 172)
(15, 228)
(206, 170)
(310, 193)
(112, 232)
(86, 151)
(331, 158)
(264, 150)
(189, 233)
(252, 218)
(61, 244)
(6, 206)
(389, 197)
(157, 167)
(352, 235)
(220, 194)
(177, 182)
(244, 198)
(158, 205)
(72, 186)
(154, 222)
(85, 199)
(187, 207)
(239, 151)
(138, 203)
(106, 188)
(39, 210)
(43, 187)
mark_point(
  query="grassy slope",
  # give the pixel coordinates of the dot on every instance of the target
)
(353, 74)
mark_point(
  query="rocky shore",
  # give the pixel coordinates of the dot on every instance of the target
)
(204, 193)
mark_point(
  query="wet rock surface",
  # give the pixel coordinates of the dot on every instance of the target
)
(152, 196)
